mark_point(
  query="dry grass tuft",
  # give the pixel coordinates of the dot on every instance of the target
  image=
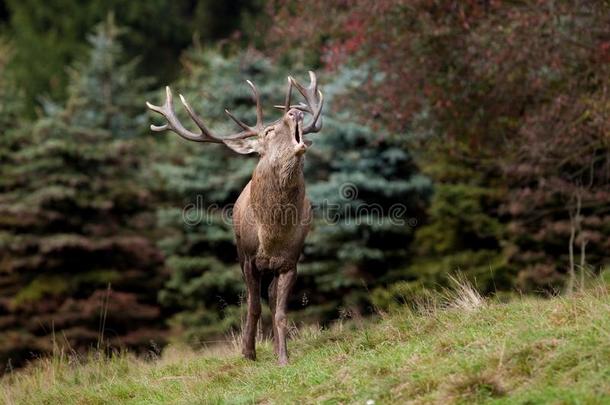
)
(463, 296)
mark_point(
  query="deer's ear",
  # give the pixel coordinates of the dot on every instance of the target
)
(244, 146)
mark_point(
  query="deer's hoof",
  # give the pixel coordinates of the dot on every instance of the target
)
(249, 355)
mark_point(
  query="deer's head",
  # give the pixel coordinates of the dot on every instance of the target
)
(281, 140)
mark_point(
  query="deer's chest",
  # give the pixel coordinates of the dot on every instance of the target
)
(281, 234)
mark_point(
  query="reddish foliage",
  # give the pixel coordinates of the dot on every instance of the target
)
(516, 91)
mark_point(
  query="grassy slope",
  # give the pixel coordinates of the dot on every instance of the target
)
(527, 351)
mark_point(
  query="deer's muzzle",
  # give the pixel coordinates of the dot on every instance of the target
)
(295, 122)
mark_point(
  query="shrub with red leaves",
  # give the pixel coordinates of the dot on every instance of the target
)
(516, 92)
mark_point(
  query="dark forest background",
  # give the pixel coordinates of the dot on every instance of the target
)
(488, 120)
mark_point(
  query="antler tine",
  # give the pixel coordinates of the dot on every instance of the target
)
(259, 107)
(286, 106)
(316, 122)
(204, 130)
(248, 130)
(288, 95)
(314, 102)
(237, 121)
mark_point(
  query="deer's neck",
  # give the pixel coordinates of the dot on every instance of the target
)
(277, 189)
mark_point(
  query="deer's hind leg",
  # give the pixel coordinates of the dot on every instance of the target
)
(252, 277)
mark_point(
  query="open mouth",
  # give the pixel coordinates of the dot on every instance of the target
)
(297, 136)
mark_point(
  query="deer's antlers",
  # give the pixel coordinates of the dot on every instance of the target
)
(314, 102)
(174, 124)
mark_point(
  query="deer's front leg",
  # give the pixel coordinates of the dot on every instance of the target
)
(285, 281)
(252, 278)
(272, 304)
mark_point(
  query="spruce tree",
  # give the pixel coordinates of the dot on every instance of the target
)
(77, 267)
(460, 237)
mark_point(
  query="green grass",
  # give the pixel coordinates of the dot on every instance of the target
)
(527, 351)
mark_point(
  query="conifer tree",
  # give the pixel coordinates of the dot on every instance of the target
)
(76, 265)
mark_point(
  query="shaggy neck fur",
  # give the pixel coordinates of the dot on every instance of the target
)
(278, 190)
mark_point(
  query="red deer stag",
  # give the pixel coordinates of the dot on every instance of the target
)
(272, 215)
